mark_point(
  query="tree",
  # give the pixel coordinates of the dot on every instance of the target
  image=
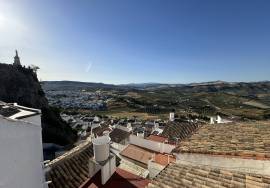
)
(34, 68)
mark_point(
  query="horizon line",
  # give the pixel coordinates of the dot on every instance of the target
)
(161, 83)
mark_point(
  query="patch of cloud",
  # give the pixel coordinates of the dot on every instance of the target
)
(89, 66)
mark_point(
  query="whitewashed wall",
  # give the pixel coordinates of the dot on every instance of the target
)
(107, 170)
(152, 145)
(34, 119)
(21, 155)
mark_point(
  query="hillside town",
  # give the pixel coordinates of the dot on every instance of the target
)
(176, 151)
(134, 94)
(232, 154)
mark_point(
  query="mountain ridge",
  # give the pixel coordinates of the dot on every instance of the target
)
(50, 85)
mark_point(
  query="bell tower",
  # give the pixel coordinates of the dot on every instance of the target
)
(17, 61)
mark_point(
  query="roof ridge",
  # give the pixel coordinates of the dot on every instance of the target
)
(78, 149)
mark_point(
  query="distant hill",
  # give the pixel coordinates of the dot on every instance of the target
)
(239, 99)
(20, 84)
(240, 88)
(73, 85)
(243, 88)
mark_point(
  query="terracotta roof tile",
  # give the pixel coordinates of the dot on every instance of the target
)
(177, 175)
(245, 140)
(179, 130)
(72, 170)
(144, 155)
(118, 135)
(157, 138)
(137, 153)
(163, 159)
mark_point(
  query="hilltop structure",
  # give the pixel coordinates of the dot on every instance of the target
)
(20, 84)
(17, 61)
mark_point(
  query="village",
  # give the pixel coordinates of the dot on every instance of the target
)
(80, 99)
(152, 152)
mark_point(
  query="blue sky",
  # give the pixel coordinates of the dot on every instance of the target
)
(136, 41)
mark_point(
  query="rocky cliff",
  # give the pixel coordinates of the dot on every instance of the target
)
(20, 84)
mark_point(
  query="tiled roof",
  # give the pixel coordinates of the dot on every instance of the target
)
(144, 155)
(137, 153)
(157, 138)
(245, 140)
(118, 135)
(180, 130)
(103, 127)
(163, 159)
(71, 170)
(176, 175)
(120, 179)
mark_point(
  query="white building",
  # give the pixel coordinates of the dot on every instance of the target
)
(218, 120)
(21, 164)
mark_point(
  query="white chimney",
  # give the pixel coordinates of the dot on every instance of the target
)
(105, 161)
(172, 116)
(101, 148)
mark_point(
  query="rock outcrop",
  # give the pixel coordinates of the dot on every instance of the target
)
(20, 84)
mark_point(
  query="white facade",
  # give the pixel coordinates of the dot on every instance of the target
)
(212, 120)
(151, 145)
(96, 119)
(21, 153)
(141, 134)
(219, 120)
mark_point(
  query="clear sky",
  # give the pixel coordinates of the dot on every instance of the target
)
(138, 41)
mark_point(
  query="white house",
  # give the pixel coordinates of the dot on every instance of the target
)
(21, 147)
(218, 120)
